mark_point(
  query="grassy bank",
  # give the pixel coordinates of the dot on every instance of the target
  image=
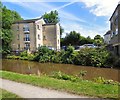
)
(5, 94)
(83, 87)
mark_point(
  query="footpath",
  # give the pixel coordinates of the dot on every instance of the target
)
(28, 91)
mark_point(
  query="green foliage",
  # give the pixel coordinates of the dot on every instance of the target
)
(51, 17)
(105, 81)
(83, 87)
(82, 73)
(5, 95)
(74, 38)
(63, 76)
(92, 57)
(44, 54)
(99, 41)
(24, 54)
(68, 56)
(13, 57)
(8, 17)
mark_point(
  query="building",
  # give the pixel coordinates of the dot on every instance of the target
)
(115, 31)
(33, 33)
(107, 37)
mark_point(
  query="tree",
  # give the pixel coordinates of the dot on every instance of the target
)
(99, 41)
(51, 17)
(72, 38)
(8, 17)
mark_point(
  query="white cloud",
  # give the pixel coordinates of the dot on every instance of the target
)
(43, 7)
(83, 29)
(101, 7)
(97, 7)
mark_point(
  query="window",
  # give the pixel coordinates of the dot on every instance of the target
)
(27, 37)
(17, 27)
(18, 37)
(44, 37)
(27, 46)
(38, 36)
(38, 45)
(26, 27)
(38, 27)
(18, 46)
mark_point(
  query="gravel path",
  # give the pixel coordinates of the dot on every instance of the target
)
(29, 91)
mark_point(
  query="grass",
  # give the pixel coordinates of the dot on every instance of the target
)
(5, 94)
(84, 87)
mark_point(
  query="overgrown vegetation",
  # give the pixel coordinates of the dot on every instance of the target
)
(97, 57)
(82, 87)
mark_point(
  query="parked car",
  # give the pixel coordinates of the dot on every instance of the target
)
(88, 46)
(51, 48)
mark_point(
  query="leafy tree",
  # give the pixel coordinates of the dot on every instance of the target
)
(51, 17)
(99, 41)
(72, 38)
(8, 17)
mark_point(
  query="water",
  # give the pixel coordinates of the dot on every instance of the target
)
(28, 67)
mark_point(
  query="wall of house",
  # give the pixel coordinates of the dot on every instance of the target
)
(107, 38)
(21, 33)
(114, 37)
(51, 36)
(39, 30)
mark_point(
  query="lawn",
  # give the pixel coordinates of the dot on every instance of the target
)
(84, 87)
(5, 94)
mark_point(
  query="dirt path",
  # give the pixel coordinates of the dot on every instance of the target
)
(29, 91)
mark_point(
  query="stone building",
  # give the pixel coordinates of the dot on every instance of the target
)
(114, 43)
(33, 33)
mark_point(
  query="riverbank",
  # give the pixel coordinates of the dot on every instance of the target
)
(96, 57)
(5, 94)
(83, 87)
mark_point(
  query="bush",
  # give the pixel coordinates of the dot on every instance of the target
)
(63, 76)
(82, 73)
(68, 56)
(31, 57)
(24, 54)
(13, 57)
(92, 57)
(44, 55)
(105, 81)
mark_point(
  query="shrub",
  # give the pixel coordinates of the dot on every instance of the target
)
(13, 57)
(105, 81)
(92, 57)
(68, 55)
(63, 76)
(31, 57)
(24, 54)
(82, 73)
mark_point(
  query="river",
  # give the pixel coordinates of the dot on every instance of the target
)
(29, 67)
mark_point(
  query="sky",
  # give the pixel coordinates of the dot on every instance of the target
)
(88, 17)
